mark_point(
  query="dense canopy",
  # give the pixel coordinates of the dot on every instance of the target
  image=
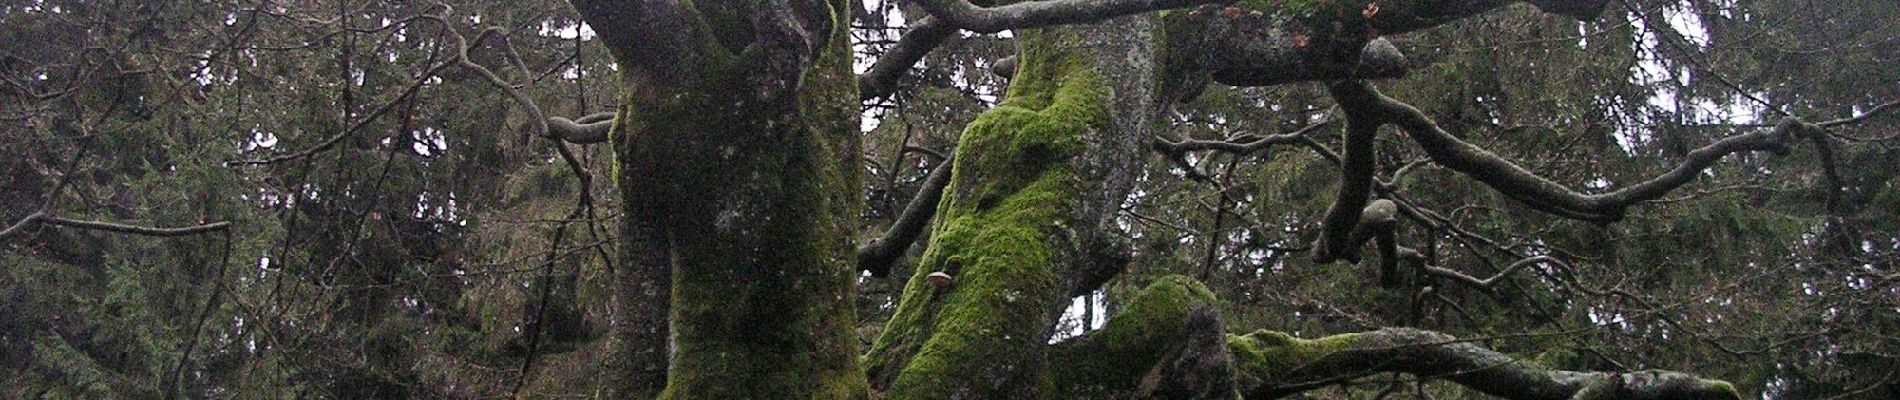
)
(934, 199)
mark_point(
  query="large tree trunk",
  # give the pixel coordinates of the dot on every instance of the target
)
(737, 147)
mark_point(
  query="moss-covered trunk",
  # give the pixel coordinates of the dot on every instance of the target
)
(737, 151)
(1025, 221)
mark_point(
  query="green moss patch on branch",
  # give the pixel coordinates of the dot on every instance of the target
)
(1150, 349)
(1275, 364)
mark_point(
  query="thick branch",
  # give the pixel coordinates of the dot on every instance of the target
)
(1379, 216)
(1262, 44)
(1281, 56)
(878, 255)
(881, 79)
(1379, 222)
(652, 40)
(1387, 241)
(1355, 184)
(1165, 344)
(589, 129)
(1032, 14)
(1274, 364)
(1155, 348)
(1005, 67)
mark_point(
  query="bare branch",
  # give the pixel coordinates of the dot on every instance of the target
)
(602, 116)
(1246, 145)
(878, 255)
(1543, 194)
(589, 129)
(1355, 184)
(49, 219)
(1872, 112)
(1487, 282)
(21, 224)
(924, 36)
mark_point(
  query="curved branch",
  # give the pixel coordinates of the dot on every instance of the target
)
(1006, 67)
(1543, 194)
(882, 252)
(602, 116)
(881, 79)
(539, 120)
(1355, 184)
(21, 224)
(589, 129)
(1032, 14)
(1274, 364)
(1487, 282)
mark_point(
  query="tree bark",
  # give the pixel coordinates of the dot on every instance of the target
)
(739, 188)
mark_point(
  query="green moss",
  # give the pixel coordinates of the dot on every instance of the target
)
(997, 233)
(1265, 354)
(1722, 386)
(1109, 363)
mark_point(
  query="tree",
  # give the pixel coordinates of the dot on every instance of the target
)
(737, 169)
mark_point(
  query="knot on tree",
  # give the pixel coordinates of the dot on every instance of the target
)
(1379, 218)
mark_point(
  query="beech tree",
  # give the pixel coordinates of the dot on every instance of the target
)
(732, 154)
